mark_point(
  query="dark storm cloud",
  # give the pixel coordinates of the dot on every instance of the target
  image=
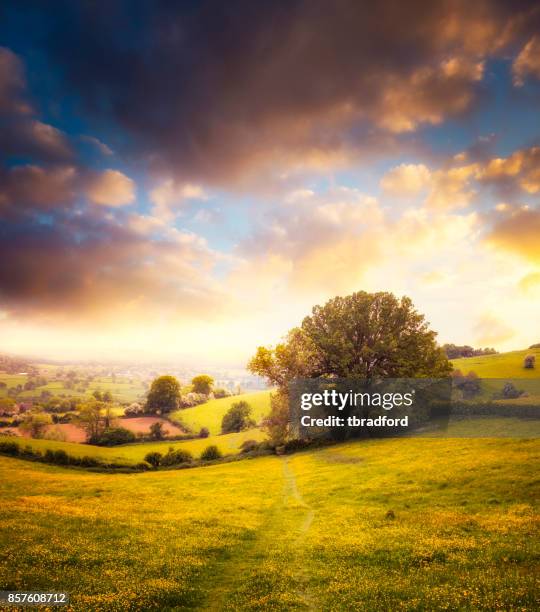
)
(212, 90)
(84, 264)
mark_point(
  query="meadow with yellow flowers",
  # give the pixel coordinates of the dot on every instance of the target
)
(412, 524)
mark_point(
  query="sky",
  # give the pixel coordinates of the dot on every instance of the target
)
(184, 181)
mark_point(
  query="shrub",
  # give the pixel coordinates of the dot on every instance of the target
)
(510, 392)
(153, 458)
(204, 433)
(87, 461)
(219, 393)
(248, 446)
(176, 457)
(529, 362)
(114, 436)
(237, 418)
(210, 453)
(193, 399)
(134, 409)
(468, 385)
(60, 457)
(9, 448)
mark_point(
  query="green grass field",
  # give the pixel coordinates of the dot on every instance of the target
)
(131, 454)
(495, 370)
(412, 524)
(503, 365)
(211, 413)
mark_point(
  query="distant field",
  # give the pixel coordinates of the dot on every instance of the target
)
(211, 413)
(503, 365)
(378, 525)
(122, 390)
(495, 370)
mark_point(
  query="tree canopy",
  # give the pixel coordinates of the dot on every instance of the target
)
(360, 336)
(202, 384)
(164, 395)
(237, 418)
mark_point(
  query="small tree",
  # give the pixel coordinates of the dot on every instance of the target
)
(529, 362)
(36, 423)
(107, 397)
(204, 432)
(237, 418)
(156, 431)
(91, 419)
(276, 424)
(164, 395)
(211, 453)
(202, 384)
(153, 458)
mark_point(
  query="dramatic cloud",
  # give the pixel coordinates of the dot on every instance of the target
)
(519, 233)
(205, 185)
(83, 268)
(32, 187)
(518, 171)
(406, 179)
(12, 84)
(222, 89)
(527, 62)
(111, 188)
(169, 197)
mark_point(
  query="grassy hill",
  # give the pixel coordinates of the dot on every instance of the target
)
(210, 414)
(131, 454)
(501, 365)
(410, 524)
(497, 369)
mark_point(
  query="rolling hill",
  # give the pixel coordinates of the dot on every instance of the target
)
(375, 525)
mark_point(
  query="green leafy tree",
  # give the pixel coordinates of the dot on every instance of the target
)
(91, 418)
(202, 384)
(360, 336)
(237, 418)
(157, 431)
(363, 336)
(35, 423)
(276, 423)
(164, 395)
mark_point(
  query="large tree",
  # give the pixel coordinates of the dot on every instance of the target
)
(164, 395)
(360, 336)
(363, 336)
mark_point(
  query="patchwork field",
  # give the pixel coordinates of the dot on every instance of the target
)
(410, 524)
